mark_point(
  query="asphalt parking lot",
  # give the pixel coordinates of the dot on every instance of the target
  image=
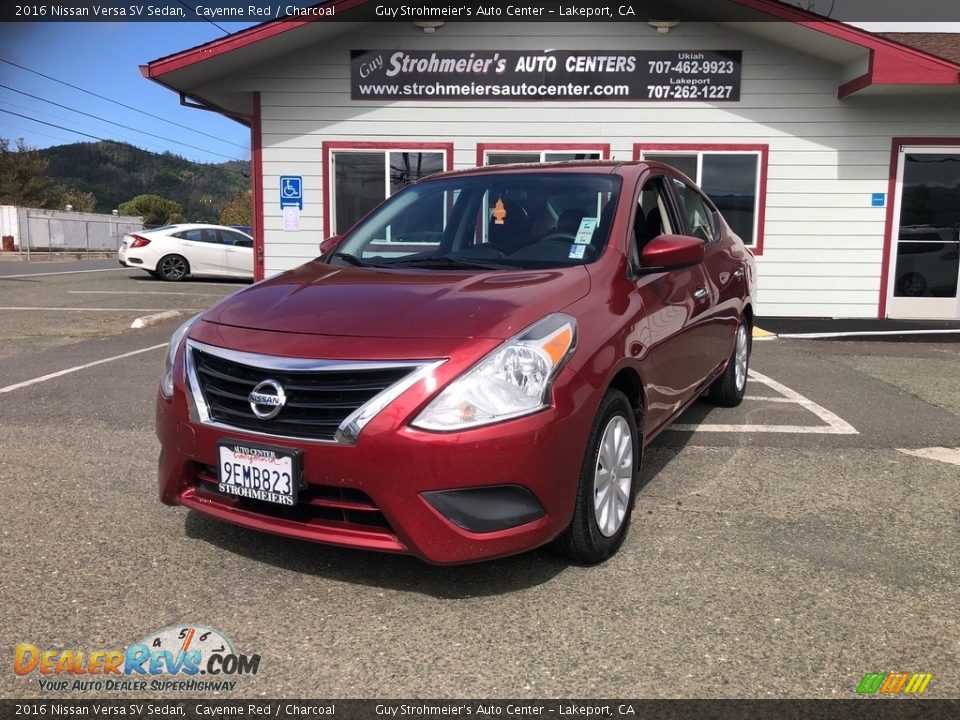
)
(780, 549)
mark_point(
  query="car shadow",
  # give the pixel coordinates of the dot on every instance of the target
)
(144, 277)
(395, 572)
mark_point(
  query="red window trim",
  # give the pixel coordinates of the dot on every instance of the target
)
(331, 145)
(256, 181)
(763, 150)
(895, 145)
(483, 148)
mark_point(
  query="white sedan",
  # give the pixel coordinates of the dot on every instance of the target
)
(173, 252)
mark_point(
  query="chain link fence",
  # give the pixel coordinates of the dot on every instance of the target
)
(35, 231)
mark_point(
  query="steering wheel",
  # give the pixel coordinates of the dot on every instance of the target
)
(559, 237)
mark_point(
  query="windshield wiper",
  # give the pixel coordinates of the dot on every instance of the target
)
(348, 258)
(444, 263)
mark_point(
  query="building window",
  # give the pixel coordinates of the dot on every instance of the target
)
(734, 177)
(361, 176)
(504, 154)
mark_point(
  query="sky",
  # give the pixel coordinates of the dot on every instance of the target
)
(104, 58)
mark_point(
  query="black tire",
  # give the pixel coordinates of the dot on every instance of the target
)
(583, 541)
(173, 268)
(728, 390)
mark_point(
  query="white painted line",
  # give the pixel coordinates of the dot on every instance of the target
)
(65, 272)
(839, 425)
(865, 333)
(943, 454)
(834, 425)
(797, 429)
(140, 292)
(60, 373)
(89, 309)
(768, 399)
(156, 318)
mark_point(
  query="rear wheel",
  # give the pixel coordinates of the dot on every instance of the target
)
(173, 268)
(728, 390)
(606, 491)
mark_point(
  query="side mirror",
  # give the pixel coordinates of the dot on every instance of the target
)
(668, 252)
(330, 244)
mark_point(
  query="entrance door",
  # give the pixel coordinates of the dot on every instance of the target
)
(925, 252)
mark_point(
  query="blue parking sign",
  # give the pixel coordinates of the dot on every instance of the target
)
(291, 191)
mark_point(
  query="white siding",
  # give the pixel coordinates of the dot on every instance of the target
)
(823, 241)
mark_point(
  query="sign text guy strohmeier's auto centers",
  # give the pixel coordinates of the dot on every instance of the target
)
(484, 75)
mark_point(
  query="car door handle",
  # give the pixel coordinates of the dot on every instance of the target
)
(700, 294)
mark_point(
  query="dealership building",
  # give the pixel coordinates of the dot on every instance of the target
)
(833, 152)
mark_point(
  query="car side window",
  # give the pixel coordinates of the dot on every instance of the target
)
(228, 237)
(204, 235)
(652, 218)
(697, 216)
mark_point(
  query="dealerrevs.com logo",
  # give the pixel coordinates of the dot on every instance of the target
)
(179, 658)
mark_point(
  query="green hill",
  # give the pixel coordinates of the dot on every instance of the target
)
(116, 172)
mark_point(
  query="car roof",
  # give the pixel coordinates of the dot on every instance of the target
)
(633, 167)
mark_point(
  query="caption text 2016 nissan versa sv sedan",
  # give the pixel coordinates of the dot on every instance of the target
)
(471, 371)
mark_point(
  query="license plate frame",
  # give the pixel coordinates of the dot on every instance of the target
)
(261, 485)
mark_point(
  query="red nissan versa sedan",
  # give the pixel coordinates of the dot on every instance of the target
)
(471, 371)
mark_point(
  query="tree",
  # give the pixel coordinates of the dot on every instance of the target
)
(23, 179)
(80, 201)
(238, 211)
(154, 209)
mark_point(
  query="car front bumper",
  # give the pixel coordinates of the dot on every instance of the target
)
(444, 497)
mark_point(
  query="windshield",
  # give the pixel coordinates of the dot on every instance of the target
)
(525, 220)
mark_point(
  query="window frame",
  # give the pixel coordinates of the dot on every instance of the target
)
(384, 147)
(483, 149)
(762, 151)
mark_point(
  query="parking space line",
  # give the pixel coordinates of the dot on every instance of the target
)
(943, 454)
(77, 368)
(64, 272)
(834, 424)
(141, 292)
(89, 309)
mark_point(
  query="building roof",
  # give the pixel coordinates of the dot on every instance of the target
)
(945, 45)
(898, 60)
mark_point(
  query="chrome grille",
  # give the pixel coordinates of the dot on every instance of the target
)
(322, 397)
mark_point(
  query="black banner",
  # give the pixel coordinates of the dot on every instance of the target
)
(872, 709)
(527, 75)
(470, 11)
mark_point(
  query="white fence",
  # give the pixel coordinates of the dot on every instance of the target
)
(35, 230)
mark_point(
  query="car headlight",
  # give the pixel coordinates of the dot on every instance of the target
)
(166, 386)
(511, 381)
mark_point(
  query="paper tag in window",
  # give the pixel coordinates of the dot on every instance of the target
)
(577, 251)
(585, 232)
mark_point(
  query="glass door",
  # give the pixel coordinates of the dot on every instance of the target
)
(925, 252)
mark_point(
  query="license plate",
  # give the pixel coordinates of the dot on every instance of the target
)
(259, 473)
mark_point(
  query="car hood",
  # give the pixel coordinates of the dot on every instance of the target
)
(321, 299)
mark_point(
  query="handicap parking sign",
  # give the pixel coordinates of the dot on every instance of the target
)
(291, 191)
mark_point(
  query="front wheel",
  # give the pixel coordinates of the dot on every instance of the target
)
(606, 491)
(728, 390)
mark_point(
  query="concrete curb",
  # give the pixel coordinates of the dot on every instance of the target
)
(155, 319)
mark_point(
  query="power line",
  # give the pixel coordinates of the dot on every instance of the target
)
(123, 105)
(94, 137)
(17, 128)
(54, 125)
(120, 125)
(194, 11)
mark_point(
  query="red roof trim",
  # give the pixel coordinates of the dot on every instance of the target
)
(896, 63)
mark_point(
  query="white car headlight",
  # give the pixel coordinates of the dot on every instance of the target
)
(511, 381)
(166, 386)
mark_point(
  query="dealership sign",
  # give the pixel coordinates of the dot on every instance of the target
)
(484, 75)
